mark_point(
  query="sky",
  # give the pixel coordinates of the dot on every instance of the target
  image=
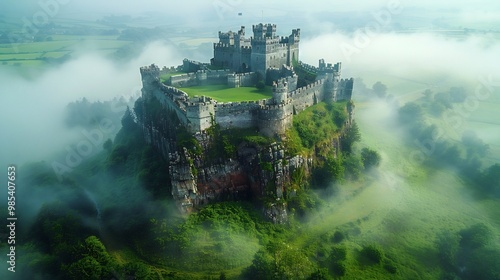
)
(195, 10)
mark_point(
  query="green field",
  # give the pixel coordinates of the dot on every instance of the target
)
(403, 209)
(224, 93)
(43, 53)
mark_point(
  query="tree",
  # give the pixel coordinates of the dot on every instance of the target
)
(490, 180)
(457, 94)
(260, 85)
(128, 122)
(370, 158)
(338, 236)
(372, 253)
(262, 266)
(95, 248)
(447, 244)
(138, 270)
(339, 253)
(483, 264)
(108, 145)
(331, 171)
(410, 113)
(443, 98)
(85, 268)
(320, 274)
(427, 94)
(473, 144)
(379, 89)
(475, 236)
(350, 136)
(353, 166)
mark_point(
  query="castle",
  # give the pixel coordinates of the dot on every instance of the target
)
(262, 51)
(243, 62)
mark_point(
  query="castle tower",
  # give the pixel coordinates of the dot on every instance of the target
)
(331, 74)
(257, 54)
(280, 92)
(293, 47)
(263, 38)
(150, 74)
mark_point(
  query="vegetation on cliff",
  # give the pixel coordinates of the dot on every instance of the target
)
(116, 218)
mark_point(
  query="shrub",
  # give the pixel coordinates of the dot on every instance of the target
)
(370, 158)
(260, 85)
(338, 236)
(390, 266)
(372, 253)
(339, 268)
(476, 236)
(339, 253)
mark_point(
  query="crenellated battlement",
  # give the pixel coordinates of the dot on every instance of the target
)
(244, 60)
(256, 54)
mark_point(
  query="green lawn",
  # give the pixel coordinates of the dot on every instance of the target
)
(223, 93)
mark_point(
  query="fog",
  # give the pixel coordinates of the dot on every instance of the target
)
(35, 108)
(413, 56)
(469, 7)
(379, 43)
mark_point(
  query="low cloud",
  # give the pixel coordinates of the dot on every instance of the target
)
(417, 54)
(33, 110)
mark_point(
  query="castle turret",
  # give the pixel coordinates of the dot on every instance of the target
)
(150, 74)
(280, 92)
(293, 47)
(331, 74)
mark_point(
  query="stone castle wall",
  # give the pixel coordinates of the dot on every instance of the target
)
(201, 77)
(307, 96)
(275, 119)
(237, 114)
(242, 80)
(271, 116)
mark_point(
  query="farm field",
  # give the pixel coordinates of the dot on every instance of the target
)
(478, 115)
(56, 48)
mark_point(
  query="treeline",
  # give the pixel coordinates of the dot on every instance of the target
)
(87, 114)
(109, 197)
(434, 147)
(470, 253)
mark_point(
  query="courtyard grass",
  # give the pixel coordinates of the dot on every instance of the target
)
(223, 93)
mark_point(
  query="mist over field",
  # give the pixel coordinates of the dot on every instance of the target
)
(407, 55)
(35, 108)
(426, 97)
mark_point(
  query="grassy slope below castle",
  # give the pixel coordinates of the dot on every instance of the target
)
(381, 226)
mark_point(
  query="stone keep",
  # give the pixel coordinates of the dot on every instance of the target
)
(258, 53)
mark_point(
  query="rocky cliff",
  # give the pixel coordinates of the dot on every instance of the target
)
(200, 173)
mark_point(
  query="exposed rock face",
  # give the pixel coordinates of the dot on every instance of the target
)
(262, 173)
(195, 182)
